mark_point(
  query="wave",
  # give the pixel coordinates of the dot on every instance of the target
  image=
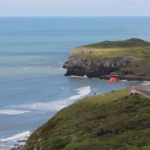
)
(59, 104)
(19, 136)
(95, 78)
(129, 81)
(82, 92)
(13, 112)
(146, 83)
(124, 80)
(28, 67)
(78, 76)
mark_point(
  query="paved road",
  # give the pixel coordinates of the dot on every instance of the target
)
(144, 90)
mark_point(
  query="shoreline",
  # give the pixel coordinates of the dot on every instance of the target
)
(109, 98)
(20, 146)
(108, 77)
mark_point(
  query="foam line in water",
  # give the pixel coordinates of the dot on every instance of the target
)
(17, 136)
(135, 81)
(78, 76)
(146, 83)
(13, 112)
(124, 80)
(60, 104)
(62, 68)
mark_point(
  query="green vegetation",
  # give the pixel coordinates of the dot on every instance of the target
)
(142, 55)
(138, 52)
(111, 121)
(134, 42)
(118, 50)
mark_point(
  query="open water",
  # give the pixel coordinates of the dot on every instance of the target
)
(32, 82)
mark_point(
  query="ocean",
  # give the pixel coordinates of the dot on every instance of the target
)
(33, 87)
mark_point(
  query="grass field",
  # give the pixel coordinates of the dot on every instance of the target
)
(133, 42)
(111, 121)
(138, 52)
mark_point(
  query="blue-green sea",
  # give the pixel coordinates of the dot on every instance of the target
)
(32, 51)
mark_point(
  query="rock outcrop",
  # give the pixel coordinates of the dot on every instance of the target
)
(94, 61)
(101, 68)
(84, 51)
(92, 68)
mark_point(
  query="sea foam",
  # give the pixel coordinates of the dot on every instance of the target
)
(13, 112)
(19, 136)
(78, 76)
(146, 83)
(59, 104)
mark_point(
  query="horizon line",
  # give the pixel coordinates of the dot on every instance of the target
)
(72, 16)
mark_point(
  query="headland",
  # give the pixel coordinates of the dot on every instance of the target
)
(103, 60)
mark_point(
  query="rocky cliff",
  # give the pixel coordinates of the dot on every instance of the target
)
(93, 63)
(92, 68)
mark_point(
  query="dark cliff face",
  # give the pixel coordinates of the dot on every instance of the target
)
(92, 68)
(102, 68)
(97, 63)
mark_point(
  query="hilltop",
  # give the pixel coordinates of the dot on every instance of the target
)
(133, 42)
(101, 122)
(104, 59)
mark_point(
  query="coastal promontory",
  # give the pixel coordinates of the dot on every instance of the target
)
(104, 59)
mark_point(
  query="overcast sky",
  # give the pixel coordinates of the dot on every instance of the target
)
(74, 7)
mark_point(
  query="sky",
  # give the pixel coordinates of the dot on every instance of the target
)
(18, 8)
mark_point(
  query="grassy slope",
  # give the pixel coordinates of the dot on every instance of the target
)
(134, 42)
(113, 121)
(119, 49)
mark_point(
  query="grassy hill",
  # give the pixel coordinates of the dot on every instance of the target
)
(132, 47)
(112, 121)
(120, 49)
(133, 42)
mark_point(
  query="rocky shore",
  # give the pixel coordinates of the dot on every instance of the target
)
(102, 69)
(17, 147)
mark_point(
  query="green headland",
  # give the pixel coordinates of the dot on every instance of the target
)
(107, 51)
(111, 121)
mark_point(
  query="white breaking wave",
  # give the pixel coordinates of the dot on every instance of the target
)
(129, 81)
(28, 67)
(60, 104)
(82, 92)
(78, 76)
(146, 83)
(19, 136)
(124, 80)
(13, 112)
